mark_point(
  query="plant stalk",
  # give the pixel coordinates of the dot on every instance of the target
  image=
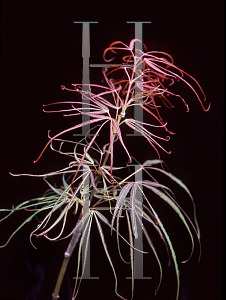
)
(73, 242)
(75, 238)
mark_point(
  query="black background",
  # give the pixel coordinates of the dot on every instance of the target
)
(41, 49)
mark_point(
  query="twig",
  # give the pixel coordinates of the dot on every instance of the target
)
(73, 242)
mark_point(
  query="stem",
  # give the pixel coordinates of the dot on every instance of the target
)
(74, 239)
(76, 234)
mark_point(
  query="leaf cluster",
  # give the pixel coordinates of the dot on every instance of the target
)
(92, 182)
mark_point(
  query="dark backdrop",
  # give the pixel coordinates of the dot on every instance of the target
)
(41, 49)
